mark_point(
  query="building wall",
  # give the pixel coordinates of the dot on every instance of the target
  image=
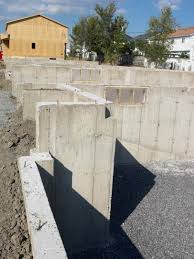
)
(49, 37)
(184, 44)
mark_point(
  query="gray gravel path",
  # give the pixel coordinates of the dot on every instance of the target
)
(162, 223)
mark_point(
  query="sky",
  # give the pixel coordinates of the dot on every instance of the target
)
(137, 12)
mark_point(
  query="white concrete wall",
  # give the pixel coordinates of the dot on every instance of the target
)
(91, 88)
(48, 75)
(32, 97)
(11, 62)
(45, 239)
(82, 142)
(104, 75)
(160, 129)
(64, 93)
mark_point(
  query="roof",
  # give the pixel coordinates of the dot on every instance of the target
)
(182, 32)
(32, 16)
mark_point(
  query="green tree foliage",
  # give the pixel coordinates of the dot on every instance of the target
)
(156, 48)
(79, 35)
(104, 33)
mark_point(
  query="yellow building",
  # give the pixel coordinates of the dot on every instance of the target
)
(34, 36)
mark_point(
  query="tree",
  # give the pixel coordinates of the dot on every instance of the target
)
(156, 48)
(104, 32)
(79, 35)
(94, 35)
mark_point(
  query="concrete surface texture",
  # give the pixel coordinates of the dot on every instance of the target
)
(159, 129)
(23, 76)
(45, 238)
(46, 61)
(32, 97)
(6, 106)
(99, 75)
(91, 88)
(64, 93)
(82, 143)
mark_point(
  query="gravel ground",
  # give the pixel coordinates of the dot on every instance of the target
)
(161, 225)
(152, 213)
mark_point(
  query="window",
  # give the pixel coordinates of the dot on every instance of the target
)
(33, 45)
(183, 40)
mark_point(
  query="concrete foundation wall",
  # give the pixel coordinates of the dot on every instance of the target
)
(11, 62)
(92, 88)
(45, 238)
(44, 75)
(160, 129)
(87, 135)
(164, 86)
(101, 75)
(38, 75)
(30, 98)
(82, 142)
(146, 77)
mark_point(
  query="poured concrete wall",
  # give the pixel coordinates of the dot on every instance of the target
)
(45, 238)
(92, 88)
(146, 77)
(82, 143)
(46, 61)
(76, 128)
(160, 129)
(100, 75)
(157, 81)
(19, 89)
(30, 98)
(43, 75)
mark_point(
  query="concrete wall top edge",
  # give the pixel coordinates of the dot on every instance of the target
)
(95, 98)
(44, 104)
(40, 156)
(44, 89)
(45, 238)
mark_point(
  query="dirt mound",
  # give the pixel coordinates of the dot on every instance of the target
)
(16, 139)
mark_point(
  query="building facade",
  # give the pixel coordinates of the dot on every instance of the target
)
(34, 36)
(182, 50)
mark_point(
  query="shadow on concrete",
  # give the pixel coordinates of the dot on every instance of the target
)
(81, 224)
(48, 182)
(131, 183)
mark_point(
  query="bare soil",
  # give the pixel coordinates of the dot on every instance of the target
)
(16, 139)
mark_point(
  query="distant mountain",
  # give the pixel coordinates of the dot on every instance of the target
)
(129, 38)
(144, 36)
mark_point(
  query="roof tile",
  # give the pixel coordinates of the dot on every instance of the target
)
(182, 32)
